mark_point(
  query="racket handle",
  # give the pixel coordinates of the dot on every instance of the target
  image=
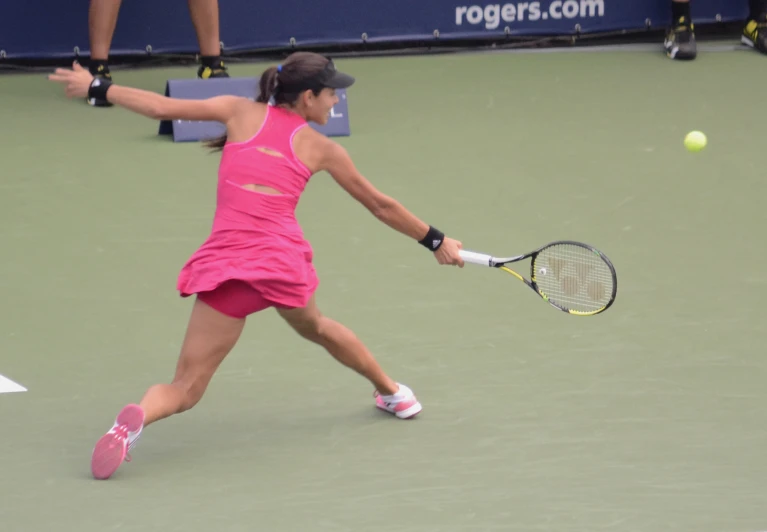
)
(476, 258)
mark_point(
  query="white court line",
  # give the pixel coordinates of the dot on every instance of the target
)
(8, 386)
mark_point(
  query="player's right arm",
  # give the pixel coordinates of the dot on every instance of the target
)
(77, 83)
(337, 162)
(159, 107)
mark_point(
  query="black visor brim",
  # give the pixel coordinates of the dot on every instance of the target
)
(339, 80)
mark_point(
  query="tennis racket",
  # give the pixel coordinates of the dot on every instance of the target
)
(573, 277)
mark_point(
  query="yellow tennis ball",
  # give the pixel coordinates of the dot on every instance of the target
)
(695, 141)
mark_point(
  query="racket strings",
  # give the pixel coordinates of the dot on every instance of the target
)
(573, 277)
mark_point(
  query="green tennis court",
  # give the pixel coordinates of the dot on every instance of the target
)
(648, 418)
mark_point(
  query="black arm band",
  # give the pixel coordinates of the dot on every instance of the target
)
(433, 239)
(98, 89)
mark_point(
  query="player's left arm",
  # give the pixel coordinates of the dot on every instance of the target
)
(337, 162)
(77, 84)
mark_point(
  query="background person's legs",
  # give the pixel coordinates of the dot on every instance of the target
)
(680, 38)
(755, 30)
(102, 21)
(205, 18)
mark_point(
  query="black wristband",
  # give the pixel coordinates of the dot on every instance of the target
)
(98, 89)
(433, 239)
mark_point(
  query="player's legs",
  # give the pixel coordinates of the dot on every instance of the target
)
(347, 349)
(680, 38)
(755, 30)
(210, 336)
(340, 342)
(204, 14)
(102, 21)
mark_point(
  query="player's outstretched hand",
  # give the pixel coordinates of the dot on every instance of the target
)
(76, 80)
(449, 253)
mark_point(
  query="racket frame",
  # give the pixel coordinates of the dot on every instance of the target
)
(500, 263)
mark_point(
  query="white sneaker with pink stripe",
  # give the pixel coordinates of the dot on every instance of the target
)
(113, 447)
(402, 404)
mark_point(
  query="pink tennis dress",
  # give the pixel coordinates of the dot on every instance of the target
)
(256, 238)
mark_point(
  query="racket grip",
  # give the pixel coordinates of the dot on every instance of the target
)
(476, 258)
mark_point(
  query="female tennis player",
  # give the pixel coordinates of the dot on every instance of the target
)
(256, 256)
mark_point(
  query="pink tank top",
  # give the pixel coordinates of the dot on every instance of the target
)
(266, 159)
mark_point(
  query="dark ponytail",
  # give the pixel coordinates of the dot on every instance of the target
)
(268, 85)
(216, 144)
(296, 68)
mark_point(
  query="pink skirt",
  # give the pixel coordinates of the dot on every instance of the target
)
(277, 267)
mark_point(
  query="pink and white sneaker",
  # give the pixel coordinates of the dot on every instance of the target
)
(113, 447)
(402, 404)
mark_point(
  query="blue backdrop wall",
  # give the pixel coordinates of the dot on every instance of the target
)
(50, 28)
